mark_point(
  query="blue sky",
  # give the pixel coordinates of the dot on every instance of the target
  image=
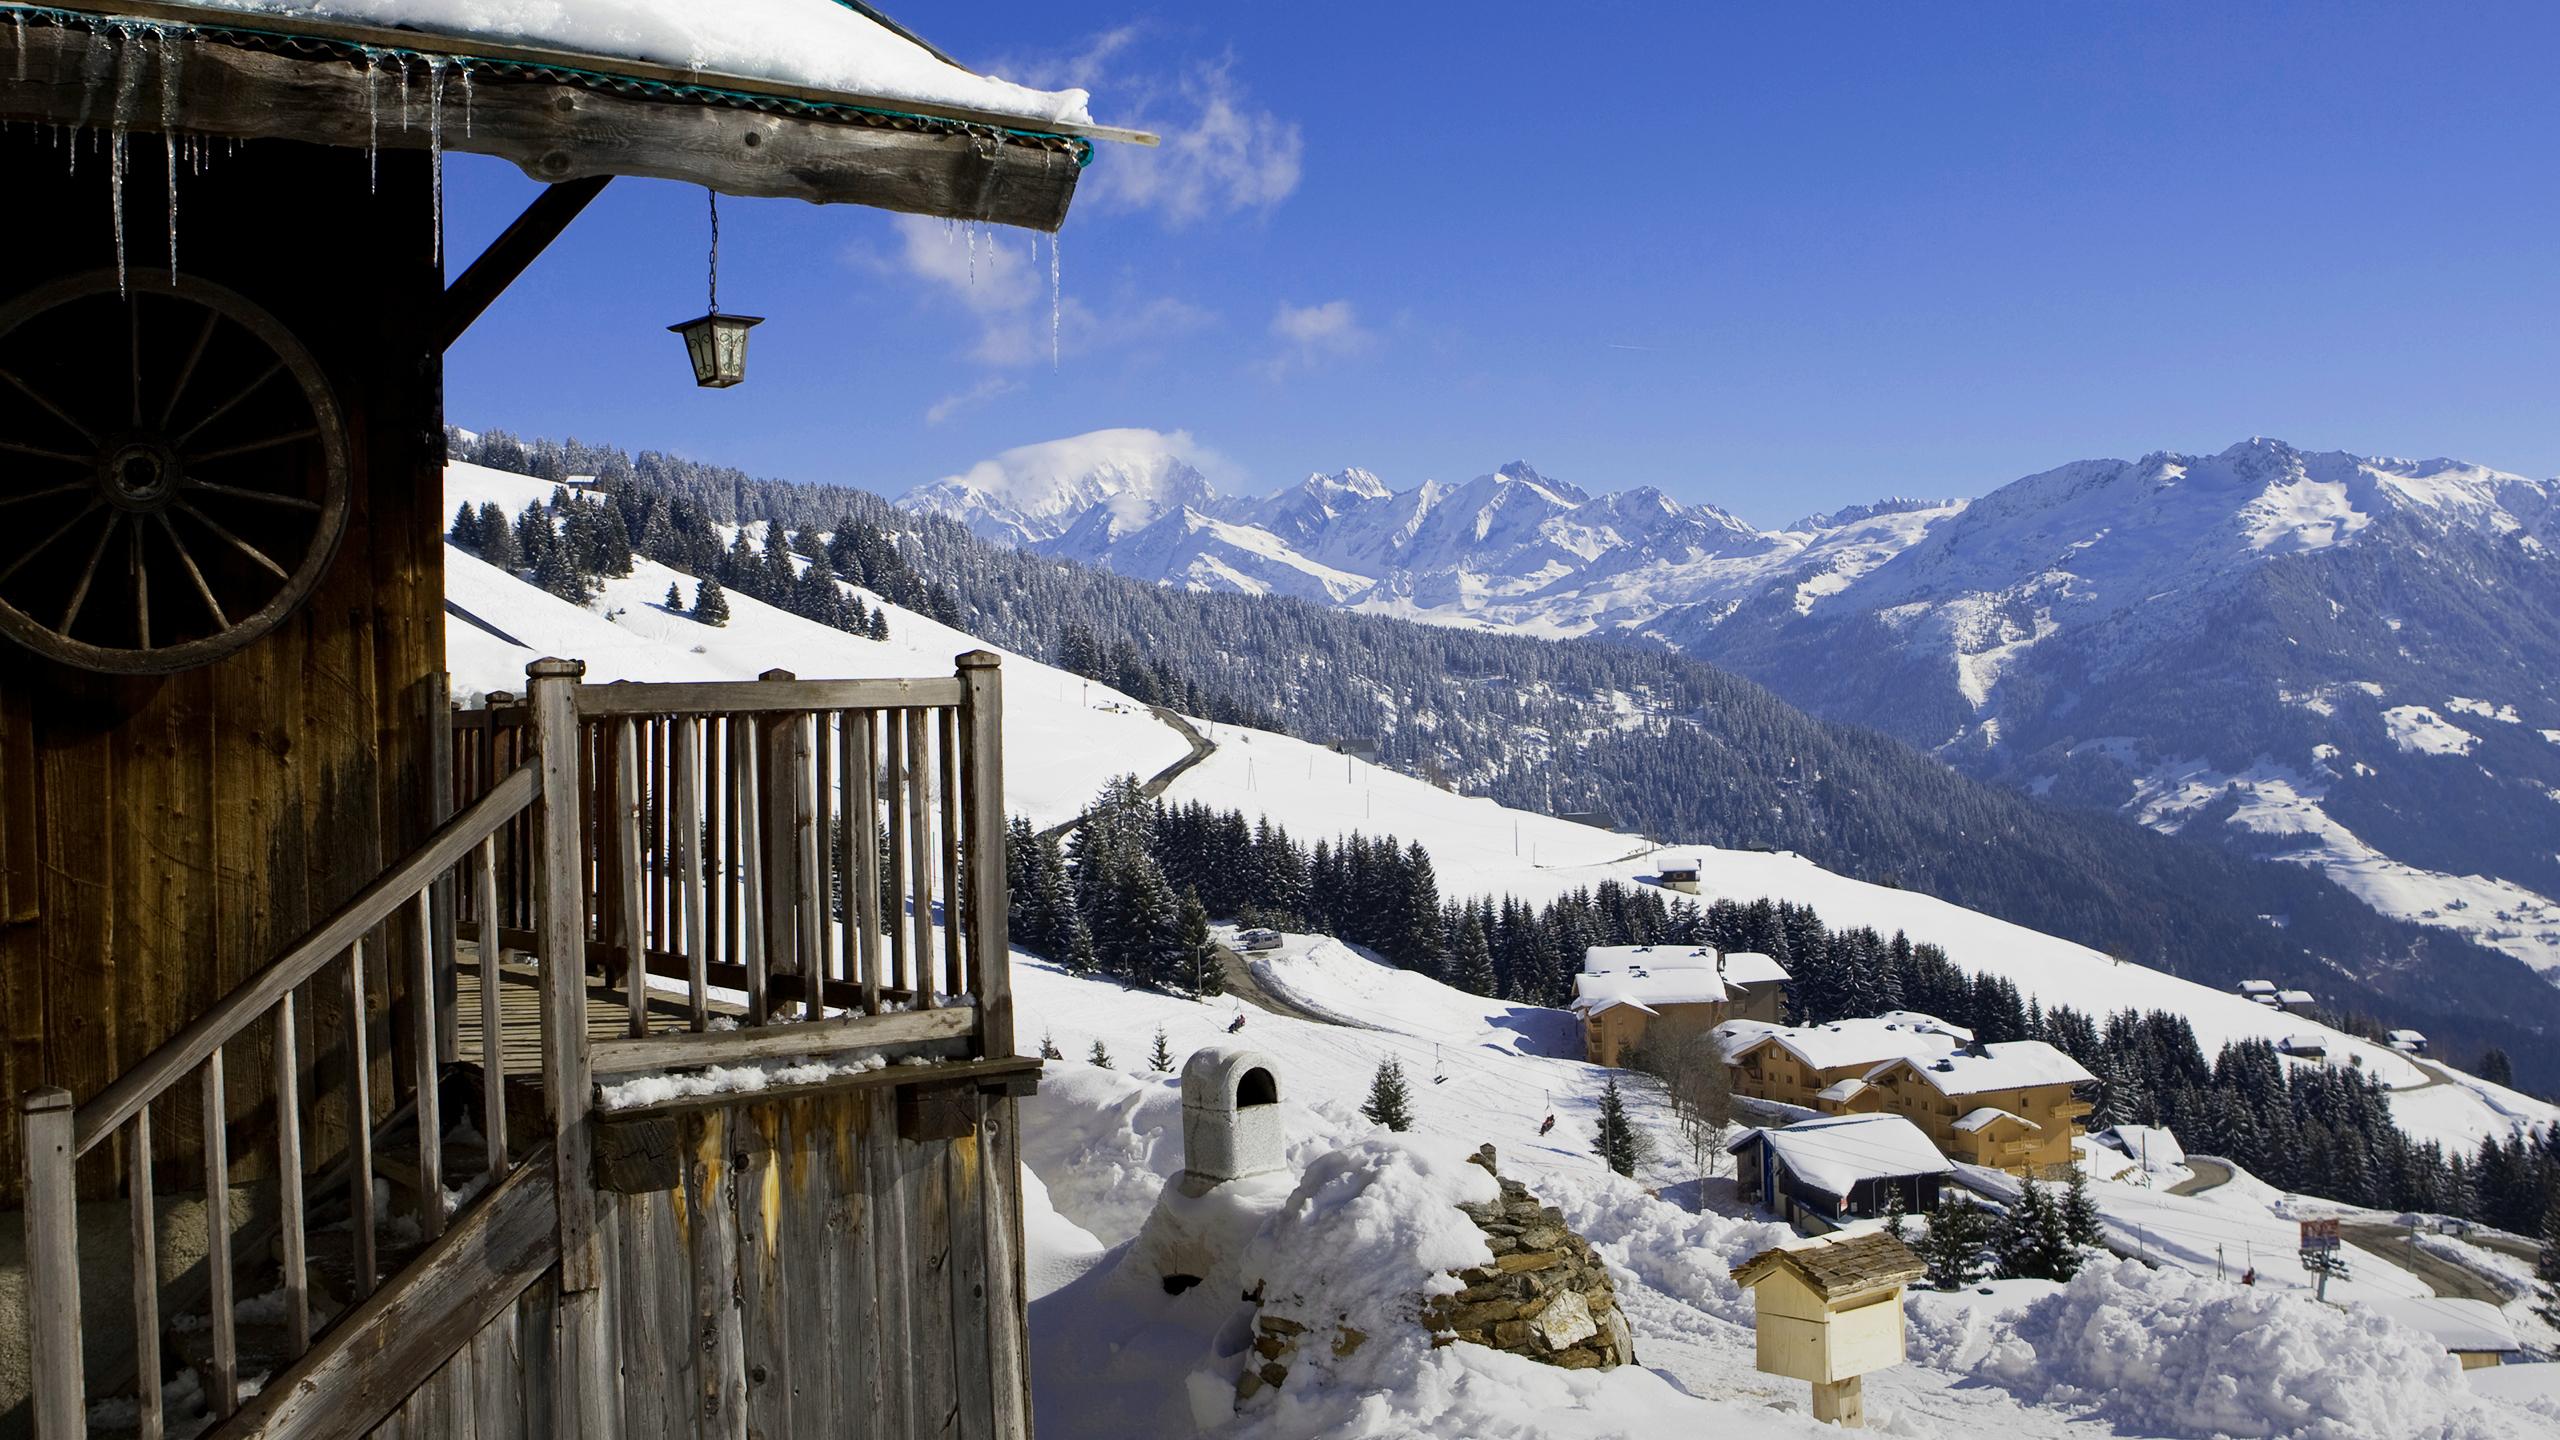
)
(1780, 258)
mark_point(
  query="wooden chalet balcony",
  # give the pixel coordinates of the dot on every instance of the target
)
(636, 878)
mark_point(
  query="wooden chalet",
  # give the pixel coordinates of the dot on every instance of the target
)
(320, 1000)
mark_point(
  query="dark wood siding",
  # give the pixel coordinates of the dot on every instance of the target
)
(185, 829)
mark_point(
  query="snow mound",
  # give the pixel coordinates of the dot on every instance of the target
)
(2165, 1352)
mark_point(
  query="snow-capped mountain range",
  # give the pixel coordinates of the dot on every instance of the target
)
(2339, 659)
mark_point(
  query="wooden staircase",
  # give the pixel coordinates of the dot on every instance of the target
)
(666, 877)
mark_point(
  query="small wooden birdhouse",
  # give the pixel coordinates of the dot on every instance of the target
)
(1230, 1116)
(1829, 1311)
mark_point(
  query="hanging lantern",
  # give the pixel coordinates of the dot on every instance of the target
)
(717, 343)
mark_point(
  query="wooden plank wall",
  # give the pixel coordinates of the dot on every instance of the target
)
(810, 1275)
(188, 828)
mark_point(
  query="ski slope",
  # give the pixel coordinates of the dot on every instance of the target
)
(1066, 736)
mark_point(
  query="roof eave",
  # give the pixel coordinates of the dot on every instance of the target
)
(559, 117)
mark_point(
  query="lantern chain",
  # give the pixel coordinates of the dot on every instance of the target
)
(715, 247)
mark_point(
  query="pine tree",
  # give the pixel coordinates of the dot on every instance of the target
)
(1049, 1047)
(1160, 1059)
(1959, 1232)
(466, 527)
(1198, 964)
(710, 602)
(1389, 1103)
(675, 599)
(1471, 967)
(498, 542)
(1616, 1139)
(2080, 1211)
(2496, 1068)
(2548, 1271)
(2033, 1240)
(1897, 1216)
(1099, 1055)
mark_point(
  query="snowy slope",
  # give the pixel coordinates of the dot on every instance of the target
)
(1069, 736)
(1111, 1361)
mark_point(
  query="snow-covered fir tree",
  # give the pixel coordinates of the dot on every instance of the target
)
(1390, 1103)
(1100, 1054)
(1160, 1055)
(710, 602)
(1959, 1235)
(1616, 1139)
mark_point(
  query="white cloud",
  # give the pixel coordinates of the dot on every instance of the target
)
(1221, 155)
(985, 390)
(1312, 334)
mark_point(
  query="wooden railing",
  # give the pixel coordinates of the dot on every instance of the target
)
(57, 1134)
(822, 859)
(809, 867)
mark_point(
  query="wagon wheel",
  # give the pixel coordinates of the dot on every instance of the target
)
(173, 472)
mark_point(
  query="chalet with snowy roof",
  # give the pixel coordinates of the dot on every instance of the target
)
(2011, 1106)
(1813, 1066)
(2408, 1042)
(1624, 991)
(442, 1003)
(1821, 1174)
(2474, 1332)
(2305, 1046)
(1680, 875)
(2296, 1002)
(2152, 1149)
(2263, 991)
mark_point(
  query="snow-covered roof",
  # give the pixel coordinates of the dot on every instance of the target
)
(2457, 1325)
(2303, 1044)
(2150, 1143)
(1988, 1115)
(1750, 967)
(2009, 1065)
(2257, 987)
(2407, 1037)
(1651, 976)
(1845, 1042)
(1832, 1155)
(1841, 1092)
(816, 44)
(2296, 997)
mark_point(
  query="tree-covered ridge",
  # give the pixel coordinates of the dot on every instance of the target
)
(1670, 745)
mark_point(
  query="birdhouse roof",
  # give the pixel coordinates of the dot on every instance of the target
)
(1838, 1266)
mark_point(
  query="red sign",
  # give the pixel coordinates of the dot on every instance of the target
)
(2320, 1235)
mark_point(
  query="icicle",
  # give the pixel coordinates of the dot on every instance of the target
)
(18, 21)
(973, 253)
(403, 62)
(466, 99)
(1056, 301)
(169, 135)
(95, 65)
(435, 157)
(372, 120)
(128, 81)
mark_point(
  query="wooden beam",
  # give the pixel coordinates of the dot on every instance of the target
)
(378, 1353)
(556, 130)
(674, 1048)
(485, 48)
(686, 697)
(1017, 1077)
(516, 247)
